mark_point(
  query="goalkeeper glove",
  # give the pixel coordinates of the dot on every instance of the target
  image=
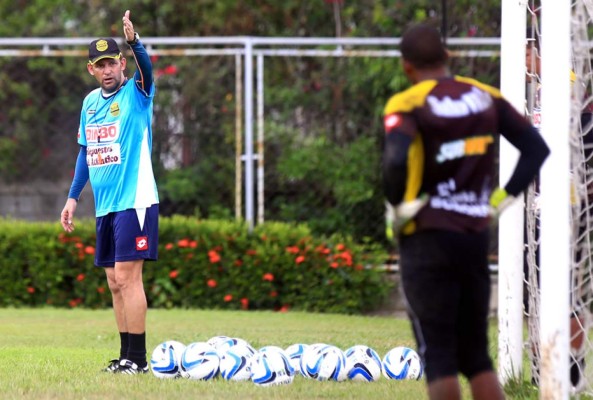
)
(397, 217)
(499, 201)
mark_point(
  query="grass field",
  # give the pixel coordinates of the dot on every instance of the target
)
(57, 354)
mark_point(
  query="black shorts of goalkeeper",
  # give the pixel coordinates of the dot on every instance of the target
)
(446, 283)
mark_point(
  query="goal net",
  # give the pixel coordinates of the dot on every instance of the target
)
(580, 138)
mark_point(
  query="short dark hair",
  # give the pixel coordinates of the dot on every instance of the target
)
(423, 47)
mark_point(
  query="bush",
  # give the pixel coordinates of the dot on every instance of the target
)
(202, 264)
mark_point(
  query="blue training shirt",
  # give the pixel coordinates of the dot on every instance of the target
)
(117, 133)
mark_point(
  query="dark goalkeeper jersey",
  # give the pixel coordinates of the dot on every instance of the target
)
(441, 140)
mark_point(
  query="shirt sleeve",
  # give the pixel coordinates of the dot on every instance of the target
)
(143, 77)
(399, 134)
(532, 147)
(81, 175)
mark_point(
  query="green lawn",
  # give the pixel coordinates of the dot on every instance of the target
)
(57, 354)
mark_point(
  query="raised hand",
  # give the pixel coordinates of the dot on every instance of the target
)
(128, 26)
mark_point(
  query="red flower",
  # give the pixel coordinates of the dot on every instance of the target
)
(31, 289)
(101, 289)
(284, 308)
(346, 256)
(212, 283)
(80, 277)
(340, 247)
(251, 252)
(273, 293)
(292, 249)
(74, 302)
(183, 243)
(238, 263)
(268, 277)
(214, 256)
(334, 265)
(173, 274)
(90, 250)
(193, 244)
(228, 297)
(168, 246)
(299, 259)
(244, 303)
(170, 70)
(321, 249)
(78, 245)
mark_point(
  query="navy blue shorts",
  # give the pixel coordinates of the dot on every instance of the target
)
(446, 282)
(120, 237)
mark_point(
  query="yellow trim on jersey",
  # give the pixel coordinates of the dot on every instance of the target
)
(414, 178)
(410, 99)
(487, 88)
(415, 169)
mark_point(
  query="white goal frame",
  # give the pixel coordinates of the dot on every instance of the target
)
(555, 200)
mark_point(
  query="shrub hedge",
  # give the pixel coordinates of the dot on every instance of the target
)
(202, 264)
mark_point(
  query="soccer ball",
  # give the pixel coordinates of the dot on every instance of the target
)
(362, 364)
(199, 361)
(223, 343)
(294, 353)
(324, 362)
(166, 359)
(215, 341)
(270, 348)
(402, 363)
(235, 362)
(271, 367)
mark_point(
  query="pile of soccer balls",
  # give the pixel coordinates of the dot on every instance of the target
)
(236, 360)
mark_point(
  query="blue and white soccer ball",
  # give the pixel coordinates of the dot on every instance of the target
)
(402, 363)
(217, 341)
(362, 364)
(271, 366)
(165, 361)
(199, 361)
(235, 362)
(294, 353)
(223, 343)
(270, 348)
(324, 362)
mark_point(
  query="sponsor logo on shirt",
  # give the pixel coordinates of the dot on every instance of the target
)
(102, 133)
(472, 102)
(463, 202)
(142, 243)
(103, 155)
(471, 146)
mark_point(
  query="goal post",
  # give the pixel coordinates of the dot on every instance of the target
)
(555, 200)
(558, 210)
(510, 228)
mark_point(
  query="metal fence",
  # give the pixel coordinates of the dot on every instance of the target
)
(224, 105)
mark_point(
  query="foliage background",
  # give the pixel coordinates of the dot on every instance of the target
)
(205, 264)
(323, 116)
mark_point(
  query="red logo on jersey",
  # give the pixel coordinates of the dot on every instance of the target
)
(142, 243)
(392, 121)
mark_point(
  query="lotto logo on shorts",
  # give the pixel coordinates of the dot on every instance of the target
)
(142, 243)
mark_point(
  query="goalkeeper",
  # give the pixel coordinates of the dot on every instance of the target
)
(438, 164)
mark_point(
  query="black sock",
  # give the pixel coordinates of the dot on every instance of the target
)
(137, 349)
(124, 340)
